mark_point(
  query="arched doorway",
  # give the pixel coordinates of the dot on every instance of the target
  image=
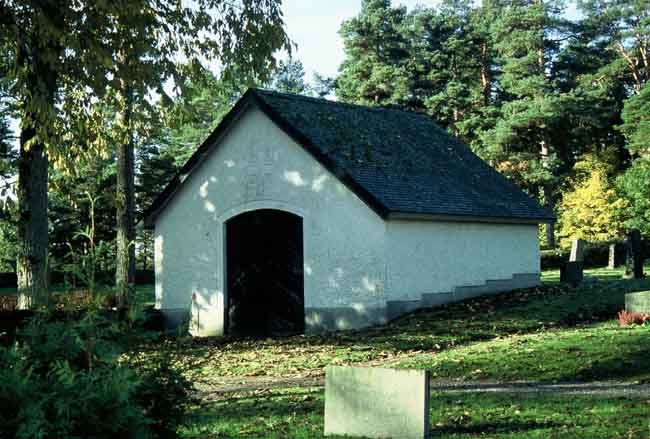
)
(264, 265)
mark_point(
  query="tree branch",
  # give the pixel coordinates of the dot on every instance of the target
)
(632, 64)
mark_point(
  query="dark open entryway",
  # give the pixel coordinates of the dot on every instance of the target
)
(265, 285)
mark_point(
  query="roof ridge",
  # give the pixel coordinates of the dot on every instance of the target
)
(321, 100)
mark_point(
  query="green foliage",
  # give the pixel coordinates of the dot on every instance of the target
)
(74, 65)
(635, 185)
(322, 86)
(94, 61)
(526, 38)
(70, 212)
(529, 90)
(375, 71)
(64, 379)
(84, 263)
(623, 29)
(166, 396)
(636, 115)
(289, 77)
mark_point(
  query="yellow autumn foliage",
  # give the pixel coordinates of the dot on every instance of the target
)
(591, 211)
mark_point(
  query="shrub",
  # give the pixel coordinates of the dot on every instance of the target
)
(166, 396)
(626, 318)
(63, 378)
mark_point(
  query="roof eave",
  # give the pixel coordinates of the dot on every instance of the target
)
(410, 216)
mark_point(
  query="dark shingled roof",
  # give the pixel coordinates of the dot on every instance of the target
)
(398, 162)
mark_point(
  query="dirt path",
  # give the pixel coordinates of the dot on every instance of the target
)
(220, 387)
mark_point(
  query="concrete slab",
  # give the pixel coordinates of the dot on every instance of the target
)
(376, 403)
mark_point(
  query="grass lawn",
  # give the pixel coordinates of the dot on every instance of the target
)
(599, 352)
(551, 320)
(551, 333)
(298, 413)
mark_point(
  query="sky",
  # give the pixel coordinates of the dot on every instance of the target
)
(314, 24)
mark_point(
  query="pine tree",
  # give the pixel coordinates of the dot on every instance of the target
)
(375, 71)
(289, 77)
(636, 115)
(624, 30)
(527, 33)
(453, 65)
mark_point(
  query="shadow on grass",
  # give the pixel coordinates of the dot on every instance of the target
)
(488, 427)
(295, 413)
(519, 312)
(548, 415)
(299, 414)
(630, 366)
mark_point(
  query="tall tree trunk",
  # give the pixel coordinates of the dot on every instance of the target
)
(125, 270)
(32, 266)
(486, 83)
(547, 192)
(550, 205)
(544, 147)
(33, 163)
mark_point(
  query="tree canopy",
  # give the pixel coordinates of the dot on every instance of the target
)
(531, 91)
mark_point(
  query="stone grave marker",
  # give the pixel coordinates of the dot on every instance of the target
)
(616, 256)
(571, 273)
(376, 403)
(638, 302)
(577, 250)
(634, 255)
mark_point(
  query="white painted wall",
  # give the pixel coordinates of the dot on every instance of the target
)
(435, 257)
(258, 166)
(354, 261)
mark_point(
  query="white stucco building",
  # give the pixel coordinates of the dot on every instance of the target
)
(304, 214)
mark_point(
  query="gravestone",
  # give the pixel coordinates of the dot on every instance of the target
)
(638, 302)
(577, 250)
(571, 273)
(616, 256)
(376, 403)
(633, 255)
